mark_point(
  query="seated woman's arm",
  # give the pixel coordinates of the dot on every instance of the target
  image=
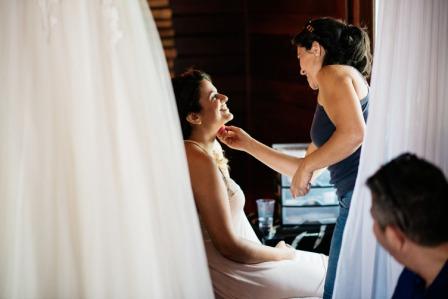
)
(212, 202)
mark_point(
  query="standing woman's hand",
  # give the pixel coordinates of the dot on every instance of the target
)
(300, 184)
(235, 138)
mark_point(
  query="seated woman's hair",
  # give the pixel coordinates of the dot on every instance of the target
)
(186, 88)
(411, 193)
(187, 92)
(343, 44)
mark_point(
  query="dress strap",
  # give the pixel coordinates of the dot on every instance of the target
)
(224, 177)
(198, 145)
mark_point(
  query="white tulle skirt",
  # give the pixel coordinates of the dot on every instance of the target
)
(95, 199)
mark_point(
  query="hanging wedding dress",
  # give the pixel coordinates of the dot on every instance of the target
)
(408, 112)
(95, 199)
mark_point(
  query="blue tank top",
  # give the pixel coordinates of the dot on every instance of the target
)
(343, 174)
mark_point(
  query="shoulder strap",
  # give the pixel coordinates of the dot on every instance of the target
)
(224, 177)
(198, 145)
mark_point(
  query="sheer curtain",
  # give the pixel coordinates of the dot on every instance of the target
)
(408, 112)
(95, 199)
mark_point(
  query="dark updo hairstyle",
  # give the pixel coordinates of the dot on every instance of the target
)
(187, 92)
(343, 44)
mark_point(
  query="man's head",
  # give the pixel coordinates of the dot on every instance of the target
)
(409, 204)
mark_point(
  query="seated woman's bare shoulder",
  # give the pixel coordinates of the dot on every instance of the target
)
(198, 159)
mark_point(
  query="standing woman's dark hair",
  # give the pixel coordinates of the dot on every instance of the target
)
(343, 44)
(186, 90)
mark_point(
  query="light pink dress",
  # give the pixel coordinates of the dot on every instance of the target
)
(302, 277)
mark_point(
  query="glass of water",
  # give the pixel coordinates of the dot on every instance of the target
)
(265, 209)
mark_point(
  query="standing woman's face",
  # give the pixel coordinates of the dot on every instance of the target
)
(310, 63)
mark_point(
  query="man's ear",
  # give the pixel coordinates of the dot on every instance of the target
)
(396, 239)
(194, 118)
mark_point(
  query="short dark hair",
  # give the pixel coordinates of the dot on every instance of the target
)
(187, 92)
(412, 194)
(343, 44)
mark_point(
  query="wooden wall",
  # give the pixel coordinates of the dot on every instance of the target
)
(245, 46)
(212, 36)
(163, 17)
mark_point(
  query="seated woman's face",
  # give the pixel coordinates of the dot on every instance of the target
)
(214, 106)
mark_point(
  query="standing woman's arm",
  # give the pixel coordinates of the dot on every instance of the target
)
(238, 139)
(311, 148)
(338, 96)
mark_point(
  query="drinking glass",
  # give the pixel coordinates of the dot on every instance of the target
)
(265, 209)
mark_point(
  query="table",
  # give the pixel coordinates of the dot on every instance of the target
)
(310, 237)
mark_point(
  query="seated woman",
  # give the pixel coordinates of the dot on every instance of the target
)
(240, 266)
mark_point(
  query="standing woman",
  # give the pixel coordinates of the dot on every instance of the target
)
(336, 60)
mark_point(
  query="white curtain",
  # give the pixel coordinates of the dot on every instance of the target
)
(408, 112)
(95, 199)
